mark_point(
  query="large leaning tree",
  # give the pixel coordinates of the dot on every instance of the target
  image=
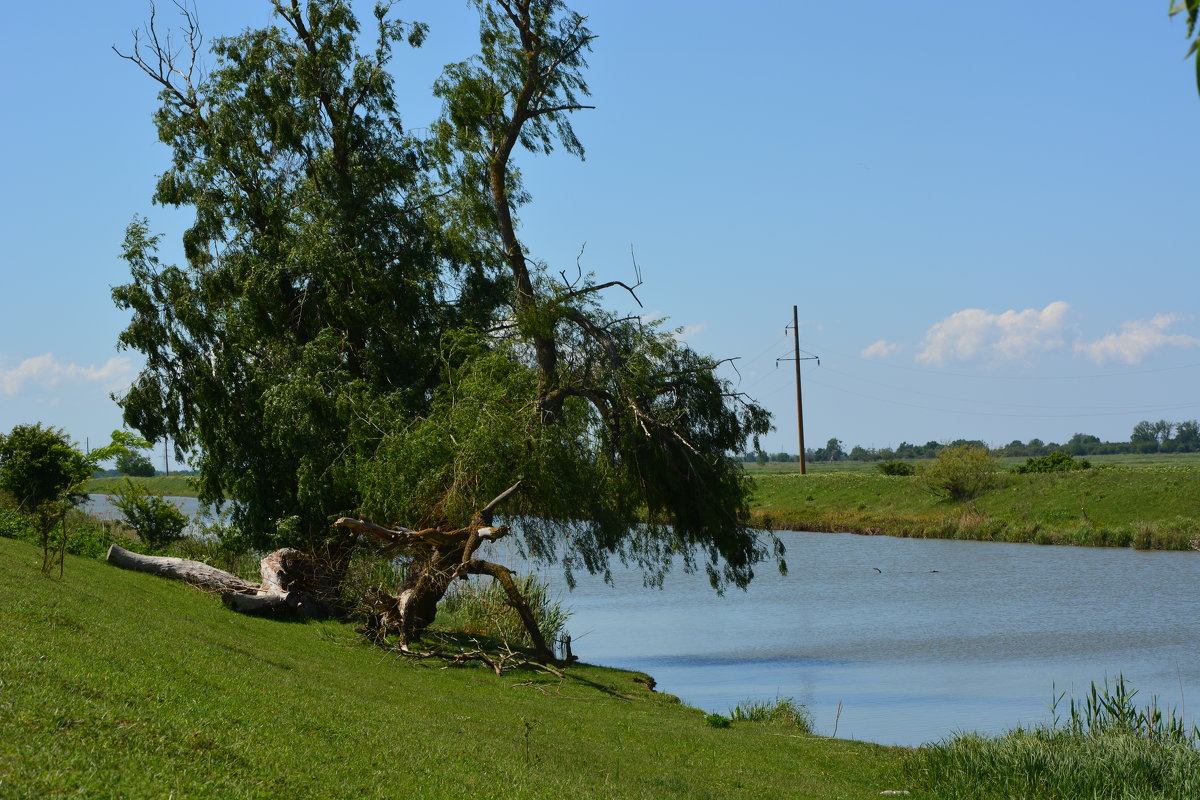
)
(314, 290)
(382, 348)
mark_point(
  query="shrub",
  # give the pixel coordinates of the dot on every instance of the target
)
(157, 521)
(15, 525)
(1055, 462)
(896, 468)
(961, 473)
(718, 721)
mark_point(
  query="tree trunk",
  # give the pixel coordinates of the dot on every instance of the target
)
(292, 584)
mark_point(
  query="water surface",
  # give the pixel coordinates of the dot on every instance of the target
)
(914, 638)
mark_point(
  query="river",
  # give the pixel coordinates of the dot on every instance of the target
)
(913, 638)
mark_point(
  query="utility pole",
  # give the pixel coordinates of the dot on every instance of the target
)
(166, 470)
(795, 326)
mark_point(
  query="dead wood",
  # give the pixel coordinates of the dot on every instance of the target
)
(438, 556)
(292, 584)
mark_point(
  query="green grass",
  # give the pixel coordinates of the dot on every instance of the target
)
(119, 684)
(783, 711)
(168, 485)
(1118, 459)
(1142, 506)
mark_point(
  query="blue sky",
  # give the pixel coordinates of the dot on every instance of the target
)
(985, 212)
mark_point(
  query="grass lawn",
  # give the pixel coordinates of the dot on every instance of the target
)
(118, 684)
(170, 485)
(1146, 506)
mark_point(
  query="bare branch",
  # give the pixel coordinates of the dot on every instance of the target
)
(599, 286)
(487, 511)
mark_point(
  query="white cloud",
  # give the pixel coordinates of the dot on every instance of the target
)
(973, 333)
(881, 349)
(1137, 339)
(688, 331)
(47, 372)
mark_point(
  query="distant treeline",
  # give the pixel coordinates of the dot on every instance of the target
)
(1147, 437)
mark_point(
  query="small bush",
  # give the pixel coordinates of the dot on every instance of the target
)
(961, 473)
(15, 525)
(896, 468)
(1055, 462)
(156, 520)
(90, 537)
(718, 721)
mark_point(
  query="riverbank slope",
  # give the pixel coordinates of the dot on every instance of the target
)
(1150, 507)
(119, 684)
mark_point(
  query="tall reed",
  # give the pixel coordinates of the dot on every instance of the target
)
(1106, 747)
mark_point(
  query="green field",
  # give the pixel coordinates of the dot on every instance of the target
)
(1122, 459)
(1147, 504)
(170, 485)
(118, 684)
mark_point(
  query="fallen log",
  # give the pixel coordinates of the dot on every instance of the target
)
(291, 583)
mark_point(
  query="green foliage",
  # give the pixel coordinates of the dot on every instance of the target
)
(45, 475)
(482, 608)
(1192, 10)
(14, 524)
(135, 464)
(961, 472)
(783, 711)
(1106, 747)
(157, 521)
(358, 328)
(39, 467)
(1055, 462)
(314, 290)
(896, 468)
(588, 473)
(717, 721)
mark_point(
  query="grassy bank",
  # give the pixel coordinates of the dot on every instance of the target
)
(1153, 507)
(116, 684)
(170, 485)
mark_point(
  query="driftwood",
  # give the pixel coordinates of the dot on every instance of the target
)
(292, 585)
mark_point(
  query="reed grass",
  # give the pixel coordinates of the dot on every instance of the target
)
(481, 608)
(782, 711)
(1105, 747)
